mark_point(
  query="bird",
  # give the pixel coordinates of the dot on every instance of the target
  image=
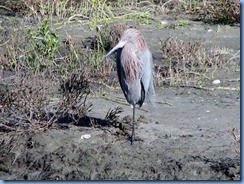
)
(135, 70)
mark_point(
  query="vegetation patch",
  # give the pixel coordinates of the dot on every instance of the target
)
(189, 64)
(43, 45)
(227, 12)
(219, 11)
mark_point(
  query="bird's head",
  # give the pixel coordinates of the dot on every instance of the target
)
(131, 36)
(121, 44)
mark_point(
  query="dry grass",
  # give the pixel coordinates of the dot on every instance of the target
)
(112, 114)
(227, 12)
(49, 86)
(218, 11)
(236, 137)
(74, 92)
(189, 64)
(25, 100)
(35, 101)
(110, 34)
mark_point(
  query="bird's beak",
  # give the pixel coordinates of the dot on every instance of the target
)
(119, 45)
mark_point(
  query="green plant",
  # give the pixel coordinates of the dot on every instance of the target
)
(218, 29)
(43, 45)
(195, 4)
(161, 25)
(181, 23)
(97, 11)
(178, 24)
(142, 16)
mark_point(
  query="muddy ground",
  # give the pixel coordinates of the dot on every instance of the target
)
(186, 138)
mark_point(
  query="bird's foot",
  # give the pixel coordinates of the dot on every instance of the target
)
(133, 139)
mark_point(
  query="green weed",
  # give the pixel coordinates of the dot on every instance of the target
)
(160, 25)
(143, 17)
(43, 45)
(181, 23)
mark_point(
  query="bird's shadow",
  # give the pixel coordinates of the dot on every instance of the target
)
(84, 121)
(111, 119)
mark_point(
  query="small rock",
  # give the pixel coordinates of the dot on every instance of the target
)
(217, 81)
(164, 22)
(85, 136)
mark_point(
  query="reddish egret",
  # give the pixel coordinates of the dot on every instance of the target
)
(135, 70)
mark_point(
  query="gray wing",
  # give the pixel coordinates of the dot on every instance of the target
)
(147, 75)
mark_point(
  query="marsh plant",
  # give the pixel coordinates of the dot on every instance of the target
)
(189, 64)
(43, 44)
(227, 12)
(24, 100)
(74, 91)
(143, 17)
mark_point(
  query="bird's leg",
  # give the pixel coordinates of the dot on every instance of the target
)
(133, 125)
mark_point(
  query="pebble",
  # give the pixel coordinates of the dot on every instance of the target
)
(217, 81)
(85, 136)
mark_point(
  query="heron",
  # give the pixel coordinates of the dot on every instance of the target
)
(135, 70)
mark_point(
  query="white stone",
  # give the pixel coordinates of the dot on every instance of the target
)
(85, 136)
(217, 81)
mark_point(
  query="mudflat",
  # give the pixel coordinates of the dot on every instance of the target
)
(188, 135)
